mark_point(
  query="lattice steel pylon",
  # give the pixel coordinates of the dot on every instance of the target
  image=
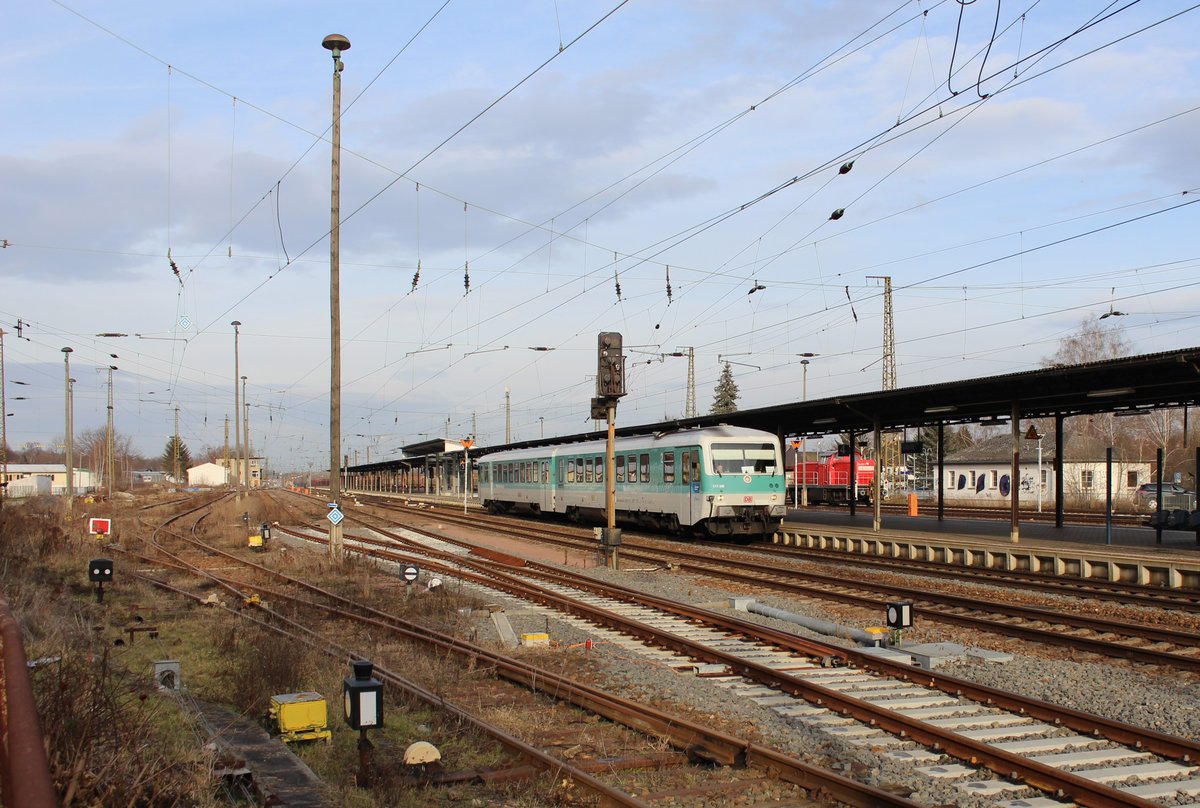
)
(891, 476)
(690, 407)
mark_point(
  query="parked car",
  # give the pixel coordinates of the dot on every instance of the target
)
(1174, 496)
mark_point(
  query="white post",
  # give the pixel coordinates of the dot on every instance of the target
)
(1040, 486)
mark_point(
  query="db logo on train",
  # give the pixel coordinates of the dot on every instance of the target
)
(748, 499)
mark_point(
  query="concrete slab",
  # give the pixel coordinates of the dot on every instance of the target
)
(508, 637)
(948, 770)
(914, 755)
(928, 656)
(1114, 774)
(990, 788)
(1064, 759)
(1057, 744)
(1035, 802)
(1158, 791)
(890, 654)
(985, 655)
(1017, 731)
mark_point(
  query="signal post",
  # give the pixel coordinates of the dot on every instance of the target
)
(610, 386)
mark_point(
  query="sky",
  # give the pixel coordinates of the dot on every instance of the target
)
(518, 177)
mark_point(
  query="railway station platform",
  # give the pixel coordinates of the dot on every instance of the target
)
(1134, 555)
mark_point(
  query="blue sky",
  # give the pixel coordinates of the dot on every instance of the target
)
(1010, 185)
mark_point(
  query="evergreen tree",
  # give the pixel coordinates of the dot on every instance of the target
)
(176, 459)
(726, 393)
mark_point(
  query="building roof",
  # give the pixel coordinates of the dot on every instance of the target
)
(37, 468)
(998, 449)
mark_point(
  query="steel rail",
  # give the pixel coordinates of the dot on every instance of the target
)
(606, 794)
(699, 741)
(1150, 740)
(25, 770)
(1007, 764)
(756, 574)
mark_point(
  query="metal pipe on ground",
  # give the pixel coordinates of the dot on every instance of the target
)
(812, 623)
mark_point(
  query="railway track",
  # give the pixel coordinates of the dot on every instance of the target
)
(693, 740)
(1092, 633)
(872, 702)
(1157, 597)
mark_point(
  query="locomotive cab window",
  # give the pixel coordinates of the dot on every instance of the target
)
(743, 458)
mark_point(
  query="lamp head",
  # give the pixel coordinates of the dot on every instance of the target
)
(336, 43)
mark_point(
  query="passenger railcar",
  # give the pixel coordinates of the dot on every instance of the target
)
(714, 481)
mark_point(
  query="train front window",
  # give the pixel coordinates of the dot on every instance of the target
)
(743, 458)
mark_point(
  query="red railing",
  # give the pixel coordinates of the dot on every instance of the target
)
(24, 772)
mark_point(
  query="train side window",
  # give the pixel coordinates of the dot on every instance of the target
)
(579, 469)
(545, 472)
(620, 461)
(570, 464)
(599, 469)
(587, 470)
(668, 467)
(645, 468)
(631, 469)
(686, 467)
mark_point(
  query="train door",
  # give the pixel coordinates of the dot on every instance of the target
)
(689, 471)
(545, 493)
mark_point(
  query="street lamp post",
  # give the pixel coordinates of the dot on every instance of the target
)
(804, 439)
(108, 443)
(245, 436)
(70, 427)
(237, 410)
(335, 44)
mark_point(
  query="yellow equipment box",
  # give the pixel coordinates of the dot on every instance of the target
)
(299, 716)
(255, 541)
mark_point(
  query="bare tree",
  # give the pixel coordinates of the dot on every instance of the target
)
(1091, 343)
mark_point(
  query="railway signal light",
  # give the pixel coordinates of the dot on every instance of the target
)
(610, 366)
(899, 615)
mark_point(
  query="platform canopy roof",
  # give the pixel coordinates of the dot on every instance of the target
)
(1124, 385)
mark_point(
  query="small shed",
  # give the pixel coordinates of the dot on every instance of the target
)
(208, 474)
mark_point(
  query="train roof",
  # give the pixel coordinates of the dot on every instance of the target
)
(673, 437)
